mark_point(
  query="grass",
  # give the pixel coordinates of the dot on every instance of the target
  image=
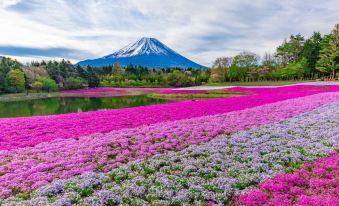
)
(27, 96)
(263, 83)
(208, 95)
(33, 95)
(44, 95)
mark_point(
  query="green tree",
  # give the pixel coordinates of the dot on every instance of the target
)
(81, 72)
(220, 69)
(295, 70)
(329, 53)
(269, 61)
(48, 84)
(178, 78)
(244, 62)
(6, 64)
(235, 73)
(311, 52)
(16, 80)
(93, 80)
(246, 59)
(3, 82)
(290, 51)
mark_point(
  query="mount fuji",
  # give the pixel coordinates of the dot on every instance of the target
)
(146, 52)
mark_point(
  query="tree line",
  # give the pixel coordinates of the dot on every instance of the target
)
(297, 58)
(51, 76)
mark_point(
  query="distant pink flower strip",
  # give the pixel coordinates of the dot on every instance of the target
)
(313, 184)
(29, 131)
(32, 167)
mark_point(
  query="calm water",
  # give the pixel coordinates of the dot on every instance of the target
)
(60, 105)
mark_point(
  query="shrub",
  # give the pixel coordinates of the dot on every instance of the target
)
(75, 83)
(48, 84)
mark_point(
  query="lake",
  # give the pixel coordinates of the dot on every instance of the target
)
(61, 105)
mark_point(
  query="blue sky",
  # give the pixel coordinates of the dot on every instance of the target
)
(199, 29)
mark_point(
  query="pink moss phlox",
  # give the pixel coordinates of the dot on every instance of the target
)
(313, 184)
(30, 131)
(32, 167)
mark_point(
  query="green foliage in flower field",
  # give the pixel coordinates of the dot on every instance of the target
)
(194, 96)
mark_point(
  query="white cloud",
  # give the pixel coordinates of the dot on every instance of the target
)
(201, 30)
(6, 3)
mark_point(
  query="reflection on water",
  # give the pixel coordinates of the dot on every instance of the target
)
(61, 105)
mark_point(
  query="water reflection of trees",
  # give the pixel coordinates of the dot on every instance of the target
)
(59, 105)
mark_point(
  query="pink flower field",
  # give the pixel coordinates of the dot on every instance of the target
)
(316, 183)
(29, 131)
(83, 158)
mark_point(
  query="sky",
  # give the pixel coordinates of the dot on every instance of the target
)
(201, 30)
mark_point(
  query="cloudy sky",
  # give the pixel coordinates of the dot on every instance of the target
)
(199, 29)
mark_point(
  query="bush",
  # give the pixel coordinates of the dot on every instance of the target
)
(37, 86)
(48, 84)
(75, 83)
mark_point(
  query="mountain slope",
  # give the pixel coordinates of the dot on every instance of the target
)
(147, 52)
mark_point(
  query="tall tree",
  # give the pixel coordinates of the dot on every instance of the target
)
(244, 62)
(220, 69)
(93, 79)
(269, 60)
(290, 51)
(6, 64)
(16, 80)
(329, 53)
(311, 52)
(246, 59)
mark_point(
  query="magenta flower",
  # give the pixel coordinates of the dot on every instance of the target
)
(30, 131)
(313, 184)
(29, 168)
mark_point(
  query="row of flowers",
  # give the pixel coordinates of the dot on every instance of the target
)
(30, 131)
(28, 168)
(212, 172)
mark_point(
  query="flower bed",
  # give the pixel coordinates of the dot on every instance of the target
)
(211, 172)
(30, 131)
(29, 168)
(316, 183)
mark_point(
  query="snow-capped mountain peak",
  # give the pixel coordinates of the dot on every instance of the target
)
(146, 52)
(144, 45)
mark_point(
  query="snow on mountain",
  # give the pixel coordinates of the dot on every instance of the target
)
(147, 52)
(142, 46)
